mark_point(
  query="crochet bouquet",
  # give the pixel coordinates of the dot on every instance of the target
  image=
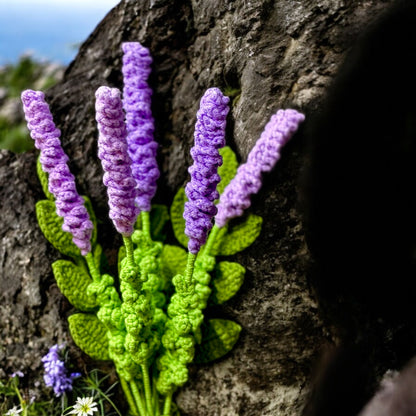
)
(149, 320)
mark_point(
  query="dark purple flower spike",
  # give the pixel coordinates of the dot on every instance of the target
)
(201, 190)
(140, 124)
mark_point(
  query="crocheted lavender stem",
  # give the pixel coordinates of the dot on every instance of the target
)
(140, 125)
(262, 158)
(112, 150)
(201, 190)
(69, 204)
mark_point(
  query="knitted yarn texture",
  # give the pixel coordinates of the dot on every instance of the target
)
(116, 163)
(262, 158)
(69, 204)
(139, 121)
(201, 191)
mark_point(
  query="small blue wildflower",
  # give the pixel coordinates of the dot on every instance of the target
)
(56, 375)
(17, 374)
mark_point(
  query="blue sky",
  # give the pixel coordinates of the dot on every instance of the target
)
(48, 29)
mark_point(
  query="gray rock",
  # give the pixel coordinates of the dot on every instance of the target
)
(267, 55)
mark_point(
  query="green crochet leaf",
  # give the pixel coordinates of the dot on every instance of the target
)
(159, 215)
(43, 179)
(237, 237)
(228, 169)
(229, 277)
(176, 217)
(93, 218)
(90, 335)
(218, 338)
(121, 255)
(51, 225)
(173, 261)
(73, 280)
(98, 256)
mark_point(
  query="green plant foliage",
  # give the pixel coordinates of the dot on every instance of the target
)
(24, 74)
(121, 256)
(173, 261)
(90, 335)
(229, 277)
(176, 217)
(218, 338)
(73, 280)
(93, 219)
(238, 237)
(43, 179)
(51, 225)
(159, 216)
(14, 137)
(98, 256)
(228, 169)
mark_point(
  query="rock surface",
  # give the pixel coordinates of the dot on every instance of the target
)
(266, 55)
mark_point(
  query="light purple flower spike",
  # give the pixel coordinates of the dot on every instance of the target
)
(262, 158)
(69, 204)
(201, 190)
(140, 124)
(112, 150)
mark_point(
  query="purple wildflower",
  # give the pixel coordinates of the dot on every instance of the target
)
(140, 125)
(262, 158)
(69, 204)
(201, 190)
(56, 375)
(112, 150)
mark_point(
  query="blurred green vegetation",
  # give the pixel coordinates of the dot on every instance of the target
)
(14, 78)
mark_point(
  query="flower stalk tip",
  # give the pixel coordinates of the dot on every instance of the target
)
(139, 121)
(262, 158)
(201, 191)
(69, 204)
(116, 163)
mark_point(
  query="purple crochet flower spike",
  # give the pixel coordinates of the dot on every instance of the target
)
(262, 158)
(201, 190)
(112, 150)
(69, 204)
(140, 125)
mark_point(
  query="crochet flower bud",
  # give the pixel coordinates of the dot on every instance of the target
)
(69, 204)
(201, 190)
(262, 158)
(140, 124)
(112, 150)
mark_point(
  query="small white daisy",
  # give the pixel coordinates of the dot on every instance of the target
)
(84, 406)
(14, 411)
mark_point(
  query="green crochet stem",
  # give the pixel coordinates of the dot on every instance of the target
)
(145, 216)
(155, 399)
(190, 269)
(130, 399)
(138, 398)
(147, 388)
(95, 274)
(168, 403)
(211, 240)
(128, 243)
